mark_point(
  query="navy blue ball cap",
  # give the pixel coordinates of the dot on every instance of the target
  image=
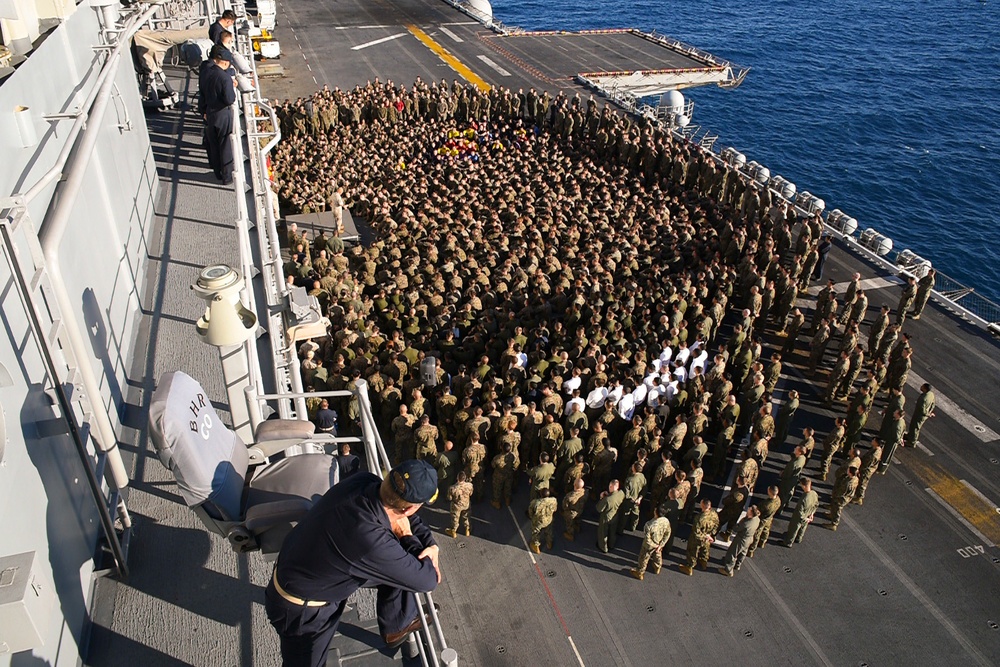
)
(219, 52)
(415, 481)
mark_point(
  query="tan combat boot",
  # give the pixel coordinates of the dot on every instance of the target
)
(450, 533)
(636, 573)
(534, 548)
(686, 569)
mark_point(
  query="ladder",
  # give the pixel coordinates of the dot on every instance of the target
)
(47, 324)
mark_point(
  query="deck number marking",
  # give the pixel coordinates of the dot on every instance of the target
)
(970, 551)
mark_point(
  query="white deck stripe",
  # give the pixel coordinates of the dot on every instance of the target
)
(955, 513)
(928, 604)
(462, 23)
(982, 496)
(500, 70)
(451, 34)
(952, 409)
(360, 27)
(579, 658)
(924, 449)
(520, 532)
(379, 41)
(524, 541)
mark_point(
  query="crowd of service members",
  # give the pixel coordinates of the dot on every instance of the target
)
(609, 310)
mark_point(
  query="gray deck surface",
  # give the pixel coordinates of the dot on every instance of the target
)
(895, 585)
(190, 599)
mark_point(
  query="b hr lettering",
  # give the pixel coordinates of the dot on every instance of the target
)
(201, 426)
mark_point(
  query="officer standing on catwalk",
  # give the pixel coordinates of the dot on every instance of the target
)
(217, 95)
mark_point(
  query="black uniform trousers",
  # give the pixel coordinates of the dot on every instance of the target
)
(218, 142)
(306, 632)
(216, 95)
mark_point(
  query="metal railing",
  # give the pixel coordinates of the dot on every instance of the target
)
(951, 293)
(437, 647)
(263, 128)
(487, 20)
(433, 648)
(737, 72)
(262, 134)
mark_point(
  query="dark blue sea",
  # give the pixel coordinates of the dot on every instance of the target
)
(888, 110)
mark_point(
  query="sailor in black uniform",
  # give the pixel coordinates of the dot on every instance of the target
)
(362, 532)
(217, 94)
(224, 22)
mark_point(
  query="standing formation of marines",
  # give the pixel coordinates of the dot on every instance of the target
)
(593, 296)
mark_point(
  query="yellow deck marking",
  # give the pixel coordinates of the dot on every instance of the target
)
(452, 61)
(967, 503)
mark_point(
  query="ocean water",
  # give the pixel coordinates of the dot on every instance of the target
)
(886, 109)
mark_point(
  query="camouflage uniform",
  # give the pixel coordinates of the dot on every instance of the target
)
(656, 535)
(460, 495)
(633, 487)
(801, 517)
(541, 511)
(732, 507)
(843, 493)
(768, 508)
(607, 526)
(703, 531)
(425, 438)
(540, 476)
(869, 464)
(473, 458)
(572, 509)
(503, 478)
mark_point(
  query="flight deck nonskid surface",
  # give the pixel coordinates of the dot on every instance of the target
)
(898, 557)
(905, 578)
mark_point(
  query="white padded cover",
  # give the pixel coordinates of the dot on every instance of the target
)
(208, 460)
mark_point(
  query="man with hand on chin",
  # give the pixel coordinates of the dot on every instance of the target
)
(363, 532)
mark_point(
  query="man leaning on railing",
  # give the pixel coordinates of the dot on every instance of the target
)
(363, 532)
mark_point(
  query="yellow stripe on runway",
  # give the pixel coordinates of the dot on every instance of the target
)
(982, 515)
(452, 61)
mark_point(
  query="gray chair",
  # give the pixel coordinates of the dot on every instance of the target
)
(237, 492)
